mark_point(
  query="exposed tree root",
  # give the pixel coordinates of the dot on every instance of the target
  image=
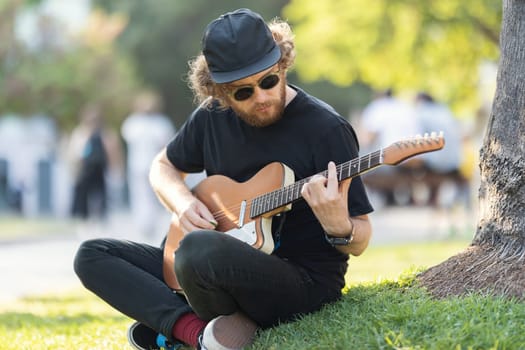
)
(496, 270)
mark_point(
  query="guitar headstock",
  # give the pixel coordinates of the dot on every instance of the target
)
(401, 150)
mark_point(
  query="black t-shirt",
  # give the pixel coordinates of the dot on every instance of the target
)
(309, 135)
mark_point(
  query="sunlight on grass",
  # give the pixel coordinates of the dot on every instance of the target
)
(76, 320)
(387, 262)
(12, 227)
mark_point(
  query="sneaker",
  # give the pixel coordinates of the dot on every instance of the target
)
(141, 337)
(231, 332)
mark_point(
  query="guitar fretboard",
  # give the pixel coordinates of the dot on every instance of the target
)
(288, 194)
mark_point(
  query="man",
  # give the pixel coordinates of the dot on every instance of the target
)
(249, 117)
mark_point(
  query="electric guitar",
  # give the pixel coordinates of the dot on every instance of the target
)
(245, 210)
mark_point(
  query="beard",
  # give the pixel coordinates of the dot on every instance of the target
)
(273, 113)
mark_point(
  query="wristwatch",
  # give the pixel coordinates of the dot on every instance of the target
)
(341, 240)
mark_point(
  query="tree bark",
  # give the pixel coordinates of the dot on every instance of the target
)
(494, 262)
(502, 162)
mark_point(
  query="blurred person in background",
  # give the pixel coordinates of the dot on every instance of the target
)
(94, 154)
(146, 131)
(385, 120)
(443, 175)
(248, 117)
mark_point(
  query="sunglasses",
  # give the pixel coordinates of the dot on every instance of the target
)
(267, 82)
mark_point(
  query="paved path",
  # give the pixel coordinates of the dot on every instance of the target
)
(39, 267)
(32, 268)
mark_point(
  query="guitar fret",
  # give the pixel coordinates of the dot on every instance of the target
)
(261, 204)
(259, 209)
(377, 158)
(365, 161)
(255, 209)
(266, 206)
(252, 207)
(271, 200)
(280, 200)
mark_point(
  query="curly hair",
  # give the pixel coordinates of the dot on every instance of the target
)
(205, 90)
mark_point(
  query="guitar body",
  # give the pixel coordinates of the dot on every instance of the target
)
(224, 198)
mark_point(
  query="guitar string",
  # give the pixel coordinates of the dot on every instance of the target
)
(347, 166)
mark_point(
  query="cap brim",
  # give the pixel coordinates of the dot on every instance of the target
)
(266, 62)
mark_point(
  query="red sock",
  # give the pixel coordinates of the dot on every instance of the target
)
(187, 328)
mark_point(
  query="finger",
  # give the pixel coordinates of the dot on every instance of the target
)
(332, 185)
(345, 185)
(304, 191)
(207, 215)
(202, 222)
(198, 218)
(187, 226)
(310, 193)
(318, 180)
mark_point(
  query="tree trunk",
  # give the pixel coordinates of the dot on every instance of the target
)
(494, 262)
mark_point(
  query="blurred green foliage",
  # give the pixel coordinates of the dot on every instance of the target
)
(60, 85)
(346, 48)
(59, 80)
(435, 46)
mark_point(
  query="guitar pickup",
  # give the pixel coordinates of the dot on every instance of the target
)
(241, 214)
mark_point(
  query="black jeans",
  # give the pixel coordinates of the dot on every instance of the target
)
(219, 274)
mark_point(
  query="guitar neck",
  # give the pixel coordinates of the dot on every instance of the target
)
(288, 194)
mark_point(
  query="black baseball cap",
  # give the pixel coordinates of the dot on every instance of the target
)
(238, 44)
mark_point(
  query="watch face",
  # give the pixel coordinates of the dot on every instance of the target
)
(338, 240)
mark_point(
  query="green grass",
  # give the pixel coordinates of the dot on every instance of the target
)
(388, 261)
(382, 308)
(77, 320)
(398, 315)
(15, 227)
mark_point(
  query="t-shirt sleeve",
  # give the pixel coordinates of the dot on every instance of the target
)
(340, 145)
(185, 150)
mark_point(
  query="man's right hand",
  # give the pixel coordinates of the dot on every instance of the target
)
(194, 215)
